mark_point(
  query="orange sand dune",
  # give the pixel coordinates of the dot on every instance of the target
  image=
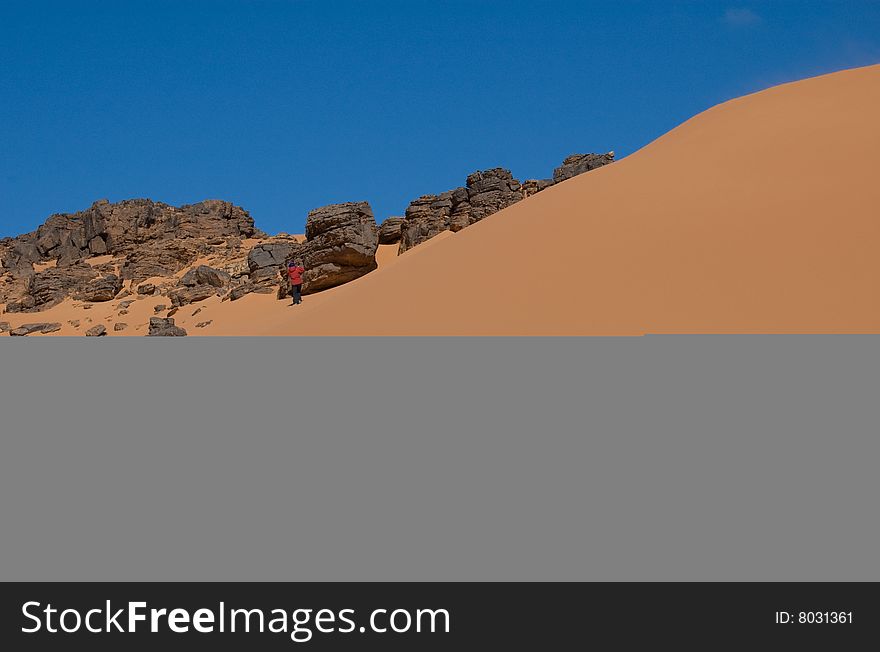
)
(761, 215)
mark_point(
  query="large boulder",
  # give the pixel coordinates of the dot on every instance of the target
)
(390, 230)
(164, 327)
(341, 243)
(97, 331)
(269, 255)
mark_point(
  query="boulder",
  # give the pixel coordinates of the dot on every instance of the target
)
(341, 243)
(271, 255)
(247, 288)
(96, 331)
(202, 324)
(101, 289)
(119, 326)
(4, 326)
(42, 327)
(160, 327)
(390, 230)
(186, 295)
(146, 288)
(205, 275)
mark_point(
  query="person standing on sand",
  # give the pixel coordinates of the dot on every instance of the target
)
(294, 273)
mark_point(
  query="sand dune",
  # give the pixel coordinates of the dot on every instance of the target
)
(760, 215)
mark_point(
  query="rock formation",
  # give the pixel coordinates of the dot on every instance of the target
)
(42, 327)
(97, 331)
(140, 248)
(160, 327)
(390, 230)
(579, 163)
(485, 192)
(341, 243)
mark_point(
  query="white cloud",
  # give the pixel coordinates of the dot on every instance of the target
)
(741, 17)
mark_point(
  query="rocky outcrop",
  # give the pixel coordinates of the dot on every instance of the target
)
(533, 186)
(579, 163)
(160, 327)
(390, 230)
(97, 331)
(341, 243)
(49, 287)
(146, 244)
(485, 192)
(426, 217)
(145, 238)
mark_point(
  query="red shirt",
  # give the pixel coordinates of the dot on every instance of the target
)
(295, 274)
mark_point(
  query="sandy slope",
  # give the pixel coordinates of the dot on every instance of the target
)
(761, 215)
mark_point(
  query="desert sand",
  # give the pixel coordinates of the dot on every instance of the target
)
(760, 215)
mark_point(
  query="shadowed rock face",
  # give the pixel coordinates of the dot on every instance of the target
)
(341, 243)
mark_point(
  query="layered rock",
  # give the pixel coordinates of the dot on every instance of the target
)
(164, 327)
(579, 163)
(104, 288)
(42, 327)
(261, 270)
(145, 239)
(49, 287)
(486, 192)
(390, 230)
(341, 243)
(198, 284)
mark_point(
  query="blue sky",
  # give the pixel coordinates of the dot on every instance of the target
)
(282, 106)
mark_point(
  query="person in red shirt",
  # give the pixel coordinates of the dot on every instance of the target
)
(294, 273)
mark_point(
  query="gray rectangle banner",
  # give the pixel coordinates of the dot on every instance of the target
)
(655, 458)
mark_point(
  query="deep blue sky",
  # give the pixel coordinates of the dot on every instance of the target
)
(282, 106)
